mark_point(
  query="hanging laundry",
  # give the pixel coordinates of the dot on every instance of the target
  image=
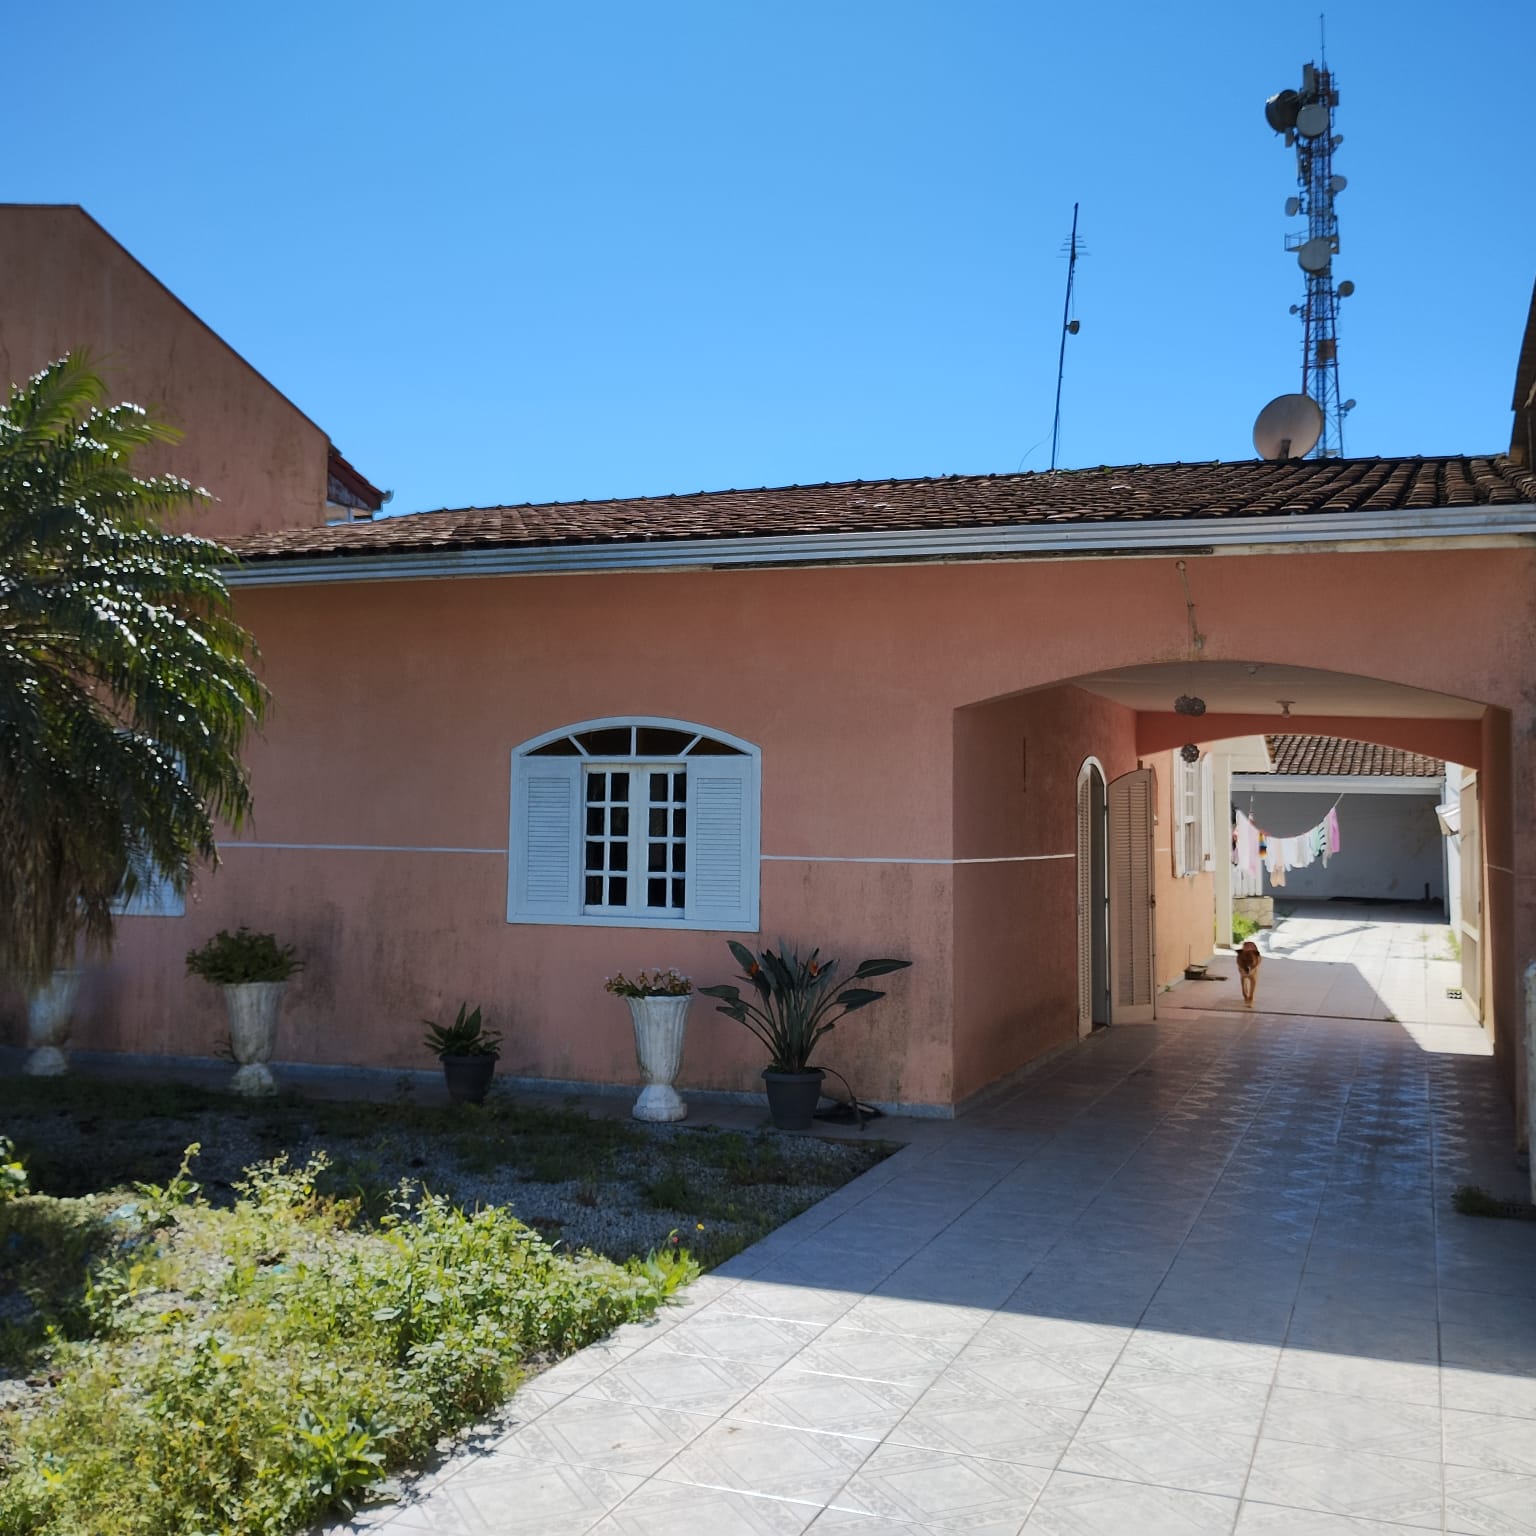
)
(1280, 854)
(1246, 845)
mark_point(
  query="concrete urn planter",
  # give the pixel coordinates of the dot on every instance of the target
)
(49, 1011)
(660, 1023)
(253, 1008)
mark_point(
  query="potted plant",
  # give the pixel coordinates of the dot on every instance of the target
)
(49, 1010)
(253, 969)
(658, 1006)
(796, 1001)
(468, 1053)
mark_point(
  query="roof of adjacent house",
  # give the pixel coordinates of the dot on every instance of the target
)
(1332, 756)
(1138, 493)
(348, 486)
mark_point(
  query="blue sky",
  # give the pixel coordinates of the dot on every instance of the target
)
(506, 252)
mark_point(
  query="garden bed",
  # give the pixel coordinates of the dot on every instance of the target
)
(247, 1338)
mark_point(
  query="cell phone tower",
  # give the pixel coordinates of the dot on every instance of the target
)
(1305, 117)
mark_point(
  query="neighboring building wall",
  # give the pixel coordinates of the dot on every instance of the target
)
(67, 284)
(1015, 923)
(1390, 845)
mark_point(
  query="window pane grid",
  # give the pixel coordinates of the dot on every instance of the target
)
(635, 858)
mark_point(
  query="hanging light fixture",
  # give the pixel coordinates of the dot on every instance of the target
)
(1188, 704)
(1190, 752)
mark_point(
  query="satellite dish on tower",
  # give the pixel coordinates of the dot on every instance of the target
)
(1288, 427)
(1345, 289)
(1337, 184)
(1292, 207)
(1312, 120)
(1281, 109)
(1315, 255)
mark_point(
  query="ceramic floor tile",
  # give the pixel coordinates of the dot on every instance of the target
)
(770, 1460)
(691, 1383)
(789, 1303)
(1353, 1423)
(1075, 1505)
(1174, 1430)
(1492, 1441)
(1272, 1520)
(1481, 1502)
(1359, 1376)
(940, 1491)
(841, 1405)
(1343, 1482)
(598, 1432)
(513, 1495)
(1001, 1425)
(728, 1335)
(664, 1509)
(842, 1350)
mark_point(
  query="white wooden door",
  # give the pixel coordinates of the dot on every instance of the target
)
(1085, 903)
(1132, 898)
(1471, 897)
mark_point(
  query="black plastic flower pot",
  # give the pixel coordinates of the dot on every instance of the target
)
(468, 1077)
(792, 1097)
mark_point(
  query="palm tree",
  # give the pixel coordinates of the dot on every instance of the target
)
(125, 688)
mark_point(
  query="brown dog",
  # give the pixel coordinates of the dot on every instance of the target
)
(1248, 962)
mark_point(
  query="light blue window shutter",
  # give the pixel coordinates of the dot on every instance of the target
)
(723, 842)
(545, 865)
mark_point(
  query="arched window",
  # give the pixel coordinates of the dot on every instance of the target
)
(635, 823)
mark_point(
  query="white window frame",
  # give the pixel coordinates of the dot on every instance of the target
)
(1192, 789)
(744, 800)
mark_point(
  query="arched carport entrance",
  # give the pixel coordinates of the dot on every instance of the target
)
(1115, 732)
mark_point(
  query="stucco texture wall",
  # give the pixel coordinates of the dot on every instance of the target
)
(872, 693)
(1015, 923)
(68, 285)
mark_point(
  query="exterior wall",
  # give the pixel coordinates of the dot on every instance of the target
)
(68, 284)
(397, 706)
(1390, 847)
(1015, 922)
(1186, 904)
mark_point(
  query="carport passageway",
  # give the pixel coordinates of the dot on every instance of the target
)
(1201, 1275)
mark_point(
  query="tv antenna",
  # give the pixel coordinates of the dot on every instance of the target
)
(1305, 118)
(1069, 327)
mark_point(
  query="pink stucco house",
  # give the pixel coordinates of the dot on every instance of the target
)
(515, 749)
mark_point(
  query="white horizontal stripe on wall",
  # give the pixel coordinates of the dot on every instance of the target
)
(817, 858)
(767, 858)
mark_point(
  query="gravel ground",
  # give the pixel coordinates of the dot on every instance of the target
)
(616, 1186)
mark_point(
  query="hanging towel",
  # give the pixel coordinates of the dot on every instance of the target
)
(1331, 822)
(1245, 853)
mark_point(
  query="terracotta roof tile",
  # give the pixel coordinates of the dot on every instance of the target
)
(1127, 494)
(1335, 755)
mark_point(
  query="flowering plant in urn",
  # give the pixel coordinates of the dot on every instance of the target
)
(658, 1008)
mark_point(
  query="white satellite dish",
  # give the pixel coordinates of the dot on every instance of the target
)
(1345, 288)
(1337, 183)
(1315, 255)
(1312, 120)
(1292, 207)
(1288, 427)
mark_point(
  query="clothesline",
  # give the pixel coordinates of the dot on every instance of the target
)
(1326, 814)
(1254, 850)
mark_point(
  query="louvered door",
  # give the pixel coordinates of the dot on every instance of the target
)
(1085, 903)
(1133, 989)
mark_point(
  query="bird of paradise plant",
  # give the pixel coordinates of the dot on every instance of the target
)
(795, 1000)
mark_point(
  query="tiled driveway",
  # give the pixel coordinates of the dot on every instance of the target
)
(1199, 1276)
